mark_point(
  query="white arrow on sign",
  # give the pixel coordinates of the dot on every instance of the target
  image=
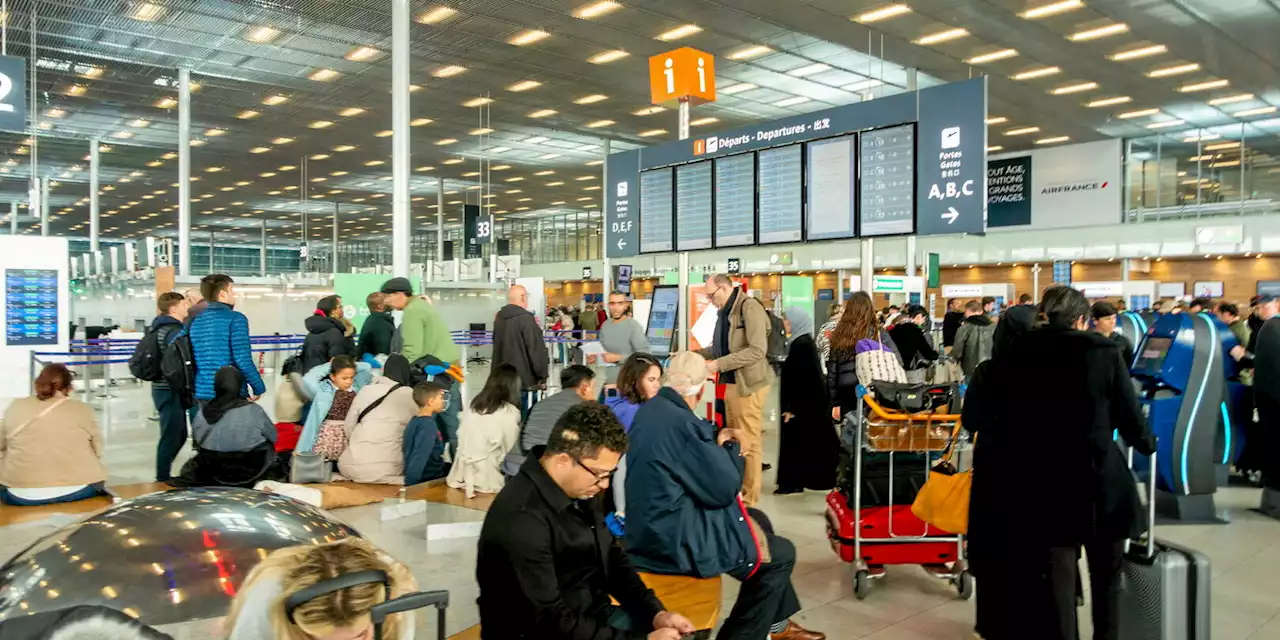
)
(622, 243)
(950, 215)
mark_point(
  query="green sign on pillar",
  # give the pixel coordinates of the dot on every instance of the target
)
(797, 291)
(934, 279)
(354, 288)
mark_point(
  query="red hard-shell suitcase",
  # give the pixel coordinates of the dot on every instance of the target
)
(874, 523)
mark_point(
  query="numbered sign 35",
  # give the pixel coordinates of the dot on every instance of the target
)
(13, 93)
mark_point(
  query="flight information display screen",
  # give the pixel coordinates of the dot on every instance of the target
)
(660, 333)
(693, 206)
(735, 200)
(31, 306)
(832, 184)
(781, 189)
(656, 230)
(888, 181)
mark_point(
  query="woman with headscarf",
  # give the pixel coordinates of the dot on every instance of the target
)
(375, 426)
(809, 449)
(1025, 535)
(234, 439)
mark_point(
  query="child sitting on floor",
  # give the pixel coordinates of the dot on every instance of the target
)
(423, 442)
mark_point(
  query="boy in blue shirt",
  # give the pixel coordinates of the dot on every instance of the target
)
(423, 441)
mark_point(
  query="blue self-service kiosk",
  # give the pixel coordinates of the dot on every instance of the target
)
(1180, 368)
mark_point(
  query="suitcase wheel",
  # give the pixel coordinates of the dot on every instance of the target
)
(861, 584)
(964, 585)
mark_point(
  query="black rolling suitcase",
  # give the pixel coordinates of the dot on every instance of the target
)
(379, 613)
(1164, 588)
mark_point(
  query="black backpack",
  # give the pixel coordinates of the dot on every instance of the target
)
(777, 339)
(144, 364)
(178, 367)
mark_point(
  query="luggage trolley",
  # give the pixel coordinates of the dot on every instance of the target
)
(890, 534)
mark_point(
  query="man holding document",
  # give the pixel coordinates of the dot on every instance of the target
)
(620, 336)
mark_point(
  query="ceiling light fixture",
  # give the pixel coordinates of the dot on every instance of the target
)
(323, 75)
(596, 9)
(882, 13)
(535, 140)
(1253, 112)
(146, 12)
(1074, 88)
(701, 121)
(385, 133)
(449, 71)
(994, 148)
(1219, 146)
(261, 35)
(1230, 99)
(527, 37)
(1100, 32)
(1022, 131)
(863, 85)
(445, 141)
(542, 113)
(651, 132)
(360, 54)
(139, 123)
(259, 149)
(548, 156)
(480, 132)
(1175, 70)
(993, 56)
(350, 112)
(1106, 102)
(275, 99)
(436, 15)
(809, 69)
(1055, 8)
(166, 103)
(1140, 52)
(1202, 86)
(320, 124)
(282, 141)
(1138, 114)
(418, 122)
(600, 123)
(477, 102)
(1036, 73)
(791, 102)
(648, 111)
(1053, 140)
(737, 88)
(997, 120)
(942, 36)
(682, 31)
(747, 53)
(1166, 124)
(524, 85)
(453, 161)
(591, 99)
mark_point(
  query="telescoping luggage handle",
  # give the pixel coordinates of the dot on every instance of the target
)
(1151, 507)
(438, 599)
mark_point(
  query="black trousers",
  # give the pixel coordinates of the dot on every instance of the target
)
(767, 596)
(1104, 558)
(1268, 423)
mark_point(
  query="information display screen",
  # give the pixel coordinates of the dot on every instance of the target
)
(832, 185)
(888, 181)
(656, 230)
(781, 191)
(736, 200)
(660, 333)
(31, 306)
(1154, 351)
(693, 206)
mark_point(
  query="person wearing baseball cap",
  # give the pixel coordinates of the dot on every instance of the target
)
(422, 332)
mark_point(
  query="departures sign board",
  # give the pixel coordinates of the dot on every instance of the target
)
(913, 162)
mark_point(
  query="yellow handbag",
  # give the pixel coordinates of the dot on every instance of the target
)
(943, 501)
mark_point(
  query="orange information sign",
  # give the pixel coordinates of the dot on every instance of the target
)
(683, 73)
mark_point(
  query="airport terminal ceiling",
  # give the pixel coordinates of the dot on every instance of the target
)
(514, 99)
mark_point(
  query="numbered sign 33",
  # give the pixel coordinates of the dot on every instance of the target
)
(13, 93)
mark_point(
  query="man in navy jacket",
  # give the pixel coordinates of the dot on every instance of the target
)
(220, 337)
(685, 514)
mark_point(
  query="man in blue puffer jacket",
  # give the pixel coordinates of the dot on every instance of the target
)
(685, 515)
(220, 337)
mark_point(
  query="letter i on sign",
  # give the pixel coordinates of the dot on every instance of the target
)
(702, 75)
(671, 76)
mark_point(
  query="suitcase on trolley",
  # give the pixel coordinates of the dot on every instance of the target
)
(1164, 588)
(874, 525)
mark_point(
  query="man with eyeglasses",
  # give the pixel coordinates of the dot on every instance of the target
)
(620, 336)
(739, 353)
(547, 564)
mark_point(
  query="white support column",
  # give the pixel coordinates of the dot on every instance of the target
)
(841, 274)
(439, 219)
(1125, 266)
(911, 256)
(94, 166)
(400, 230)
(333, 254)
(868, 265)
(44, 206)
(683, 333)
(604, 225)
(1035, 283)
(13, 217)
(262, 250)
(184, 172)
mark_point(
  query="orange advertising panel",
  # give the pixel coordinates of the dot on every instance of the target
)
(683, 73)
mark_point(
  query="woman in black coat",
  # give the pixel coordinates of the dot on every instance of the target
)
(326, 334)
(809, 449)
(1048, 476)
(913, 343)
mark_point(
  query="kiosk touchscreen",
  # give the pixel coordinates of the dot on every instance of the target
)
(1134, 327)
(664, 314)
(1179, 368)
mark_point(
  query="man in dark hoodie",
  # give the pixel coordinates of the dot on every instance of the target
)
(951, 322)
(173, 420)
(326, 334)
(378, 329)
(518, 341)
(974, 338)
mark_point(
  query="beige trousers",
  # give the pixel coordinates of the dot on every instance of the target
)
(746, 413)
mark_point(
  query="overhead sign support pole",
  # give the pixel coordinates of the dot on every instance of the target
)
(607, 285)
(400, 229)
(184, 172)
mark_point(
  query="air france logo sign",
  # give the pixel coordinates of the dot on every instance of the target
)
(1073, 187)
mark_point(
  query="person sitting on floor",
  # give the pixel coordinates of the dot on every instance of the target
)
(235, 440)
(423, 441)
(375, 426)
(547, 565)
(332, 387)
(488, 432)
(577, 385)
(50, 445)
(685, 515)
(263, 607)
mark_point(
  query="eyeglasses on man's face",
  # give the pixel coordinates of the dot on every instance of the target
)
(600, 476)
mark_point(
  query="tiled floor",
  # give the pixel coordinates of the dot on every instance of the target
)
(906, 605)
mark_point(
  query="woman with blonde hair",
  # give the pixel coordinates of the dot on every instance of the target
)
(267, 604)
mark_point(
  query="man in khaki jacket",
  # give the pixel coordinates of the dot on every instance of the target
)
(739, 354)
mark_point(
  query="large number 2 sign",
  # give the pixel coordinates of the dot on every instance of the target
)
(6, 87)
(13, 93)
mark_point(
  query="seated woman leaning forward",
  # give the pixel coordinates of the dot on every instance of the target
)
(234, 439)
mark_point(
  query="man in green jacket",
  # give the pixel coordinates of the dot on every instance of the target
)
(422, 332)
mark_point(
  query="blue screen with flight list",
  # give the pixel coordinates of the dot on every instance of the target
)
(31, 306)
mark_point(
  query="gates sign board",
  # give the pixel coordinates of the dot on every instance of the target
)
(951, 162)
(622, 204)
(13, 93)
